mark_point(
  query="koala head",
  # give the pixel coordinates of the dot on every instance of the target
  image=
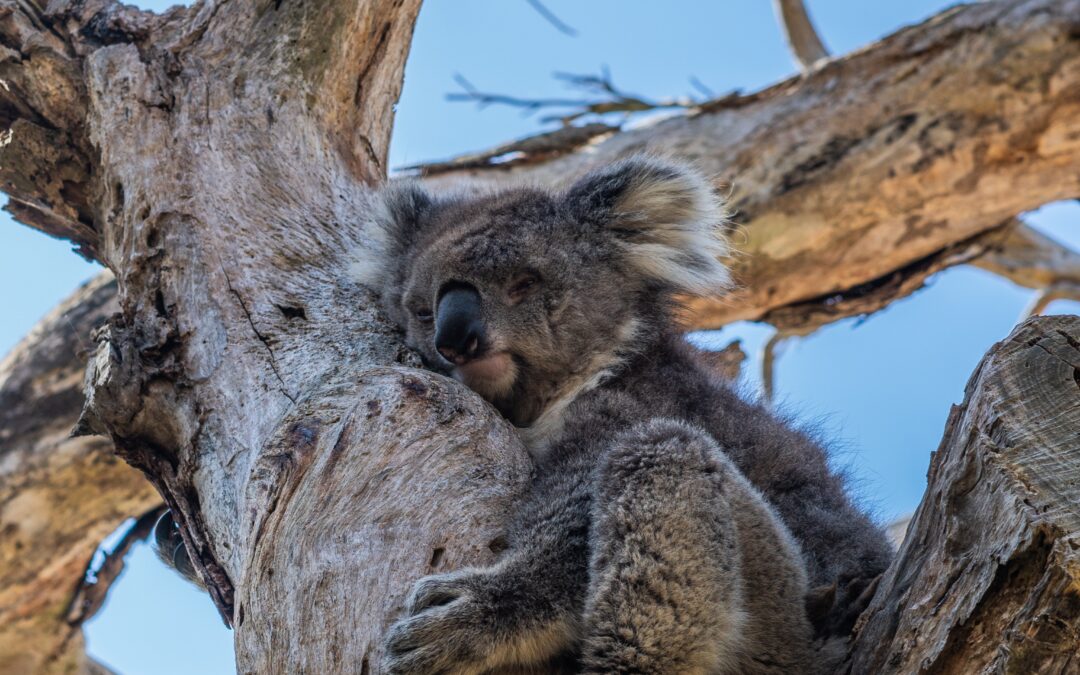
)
(529, 295)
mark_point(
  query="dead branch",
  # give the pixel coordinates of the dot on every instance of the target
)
(1031, 259)
(799, 32)
(98, 579)
(59, 496)
(607, 99)
(534, 148)
(1048, 295)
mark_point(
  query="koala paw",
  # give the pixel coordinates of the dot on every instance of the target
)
(449, 626)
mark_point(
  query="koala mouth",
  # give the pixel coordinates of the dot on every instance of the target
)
(491, 376)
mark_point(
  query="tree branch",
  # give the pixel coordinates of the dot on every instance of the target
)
(1031, 259)
(246, 374)
(882, 161)
(59, 496)
(802, 39)
(98, 579)
(1002, 596)
(607, 99)
(550, 17)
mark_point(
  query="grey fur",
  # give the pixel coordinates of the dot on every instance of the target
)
(672, 527)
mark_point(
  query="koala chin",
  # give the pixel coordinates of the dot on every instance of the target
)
(672, 526)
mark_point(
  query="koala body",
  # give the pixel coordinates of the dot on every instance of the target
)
(672, 526)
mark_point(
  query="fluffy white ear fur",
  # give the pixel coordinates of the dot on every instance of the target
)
(667, 216)
(390, 223)
(673, 218)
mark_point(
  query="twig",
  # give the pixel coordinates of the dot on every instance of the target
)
(1042, 299)
(802, 39)
(768, 364)
(532, 149)
(551, 18)
(606, 98)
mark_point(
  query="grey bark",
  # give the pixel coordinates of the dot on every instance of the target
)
(219, 159)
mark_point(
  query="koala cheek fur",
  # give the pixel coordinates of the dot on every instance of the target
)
(672, 526)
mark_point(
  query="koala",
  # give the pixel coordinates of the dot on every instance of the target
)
(672, 526)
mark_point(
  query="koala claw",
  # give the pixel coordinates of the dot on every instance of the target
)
(447, 630)
(438, 590)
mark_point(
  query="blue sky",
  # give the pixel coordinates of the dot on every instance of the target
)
(882, 387)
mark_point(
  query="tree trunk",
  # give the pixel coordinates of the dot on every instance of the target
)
(988, 577)
(218, 159)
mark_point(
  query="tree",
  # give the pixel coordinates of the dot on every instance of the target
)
(218, 160)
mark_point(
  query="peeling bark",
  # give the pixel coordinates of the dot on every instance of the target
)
(988, 576)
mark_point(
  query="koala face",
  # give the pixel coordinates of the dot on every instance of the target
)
(526, 295)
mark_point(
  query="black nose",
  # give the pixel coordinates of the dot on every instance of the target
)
(459, 326)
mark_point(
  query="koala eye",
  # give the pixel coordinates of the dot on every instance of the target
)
(424, 315)
(522, 286)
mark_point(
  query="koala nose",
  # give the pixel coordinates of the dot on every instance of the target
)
(459, 327)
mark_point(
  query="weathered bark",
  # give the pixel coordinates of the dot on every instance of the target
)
(228, 152)
(988, 577)
(872, 166)
(59, 496)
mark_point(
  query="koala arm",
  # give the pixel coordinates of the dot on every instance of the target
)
(523, 611)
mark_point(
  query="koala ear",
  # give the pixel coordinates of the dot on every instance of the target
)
(667, 217)
(395, 218)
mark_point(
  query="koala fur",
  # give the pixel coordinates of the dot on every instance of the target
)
(672, 526)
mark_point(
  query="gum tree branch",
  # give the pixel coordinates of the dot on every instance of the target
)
(878, 164)
(59, 496)
(219, 160)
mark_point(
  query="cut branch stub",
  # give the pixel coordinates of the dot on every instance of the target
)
(988, 576)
